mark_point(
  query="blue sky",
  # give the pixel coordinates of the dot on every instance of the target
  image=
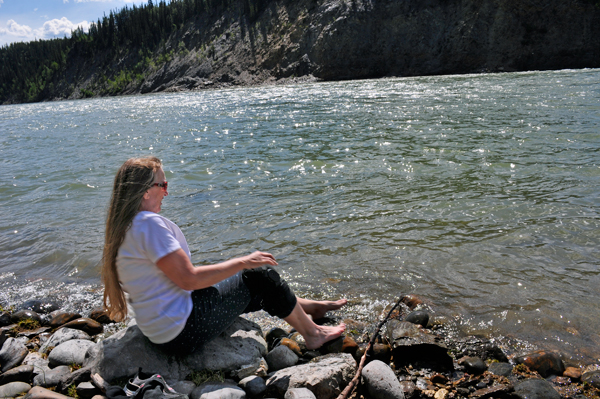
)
(26, 20)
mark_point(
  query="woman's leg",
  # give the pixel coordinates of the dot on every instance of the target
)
(317, 309)
(314, 335)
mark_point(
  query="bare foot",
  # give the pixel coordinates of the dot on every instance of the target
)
(317, 309)
(323, 334)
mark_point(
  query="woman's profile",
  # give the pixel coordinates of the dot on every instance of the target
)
(177, 305)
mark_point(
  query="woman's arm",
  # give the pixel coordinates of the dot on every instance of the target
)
(178, 267)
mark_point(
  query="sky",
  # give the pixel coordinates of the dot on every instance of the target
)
(26, 20)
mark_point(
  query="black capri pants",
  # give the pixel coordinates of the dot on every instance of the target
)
(216, 308)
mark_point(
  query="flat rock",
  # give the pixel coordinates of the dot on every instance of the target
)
(62, 318)
(299, 393)
(13, 352)
(381, 382)
(70, 352)
(51, 377)
(61, 336)
(281, 357)
(501, 369)
(536, 389)
(122, 354)
(325, 376)
(13, 389)
(23, 373)
(90, 326)
(43, 393)
(218, 390)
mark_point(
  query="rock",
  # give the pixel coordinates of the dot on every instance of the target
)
(37, 361)
(573, 373)
(218, 390)
(184, 387)
(441, 394)
(333, 346)
(23, 373)
(381, 382)
(412, 301)
(544, 362)
(3, 338)
(501, 368)
(101, 316)
(12, 354)
(408, 388)
(477, 347)
(24, 315)
(418, 317)
(412, 345)
(39, 306)
(70, 352)
(381, 352)
(13, 389)
(299, 339)
(62, 318)
(473, 365)
(293, 345)
(75, 378)
(29, 334)
(281, 357)
(86, 390)
(325, 376)
(495, 391)
(299, 393)
(536, 389)
(349, 345)
(51, 377)
(122, 354)
(253, 385)
(43, 393)
(274, 335)
(592, 378)
(5, 320)
(258, 368)
(84, 324)
(63, 335)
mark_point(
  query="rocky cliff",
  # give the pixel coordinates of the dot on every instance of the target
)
(353, 39)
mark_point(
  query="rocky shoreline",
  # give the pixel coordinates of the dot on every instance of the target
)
(49, 353)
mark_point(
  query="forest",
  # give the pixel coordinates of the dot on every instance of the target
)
(30, 71)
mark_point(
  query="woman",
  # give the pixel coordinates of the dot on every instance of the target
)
(178, 306)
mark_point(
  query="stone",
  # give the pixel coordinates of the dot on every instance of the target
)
(5, 320)
(299, 339)
(293, 345)
(281, 357)
(299, 393)
(51, 377)
(333, 346)
(258, 368)
(477, 347)
(441, 394)
(418, 317)
(23, 373)
(29, 334)
(122, 354)
(500, 368)
(70, 352)
(253, 385)
(62, 318)
(39, 306)
(349, 345)
(43, 393)
(86, 390)
(495, 391)
(535, 389)
(412, 301)
(592, 378)
(274, 336)
(378, 351)
(218, 390)
(408, 388)
(381, 382)
(573, 373)
(12, 354)
(101, 316)
(325, 376)
(544, 362)
(24, 315)
(3, 338)
(412, 345)
(13, 389)
(87, 325)
(473, 365)
(61, 336)
(184, 387)
(37, 361)
(75, 378)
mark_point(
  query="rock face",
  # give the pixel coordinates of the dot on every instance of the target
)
(122, 354)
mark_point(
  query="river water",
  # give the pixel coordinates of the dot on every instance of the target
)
(480, 193)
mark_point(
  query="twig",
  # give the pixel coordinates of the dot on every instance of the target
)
(348, 390)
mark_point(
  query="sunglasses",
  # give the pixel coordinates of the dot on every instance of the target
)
(163, 185)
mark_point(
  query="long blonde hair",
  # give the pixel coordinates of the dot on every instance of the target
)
(133, 179)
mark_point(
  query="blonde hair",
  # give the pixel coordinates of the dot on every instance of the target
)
(133, 179)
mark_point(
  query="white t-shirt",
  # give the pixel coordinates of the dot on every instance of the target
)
(161, 307)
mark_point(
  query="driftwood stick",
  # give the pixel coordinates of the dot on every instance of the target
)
(350, 388)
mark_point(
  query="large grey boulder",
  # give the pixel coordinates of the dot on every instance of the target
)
(63, 335)
(122, 354)
(326, 376)
(70, 352)
(13, 352)
(381, 382)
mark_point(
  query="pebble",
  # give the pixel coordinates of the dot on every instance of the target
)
(281, 357)
(418, 317)
(293, 345)
(253, 385)
(573, 373)
(473, 365)
(274, 335)
(544, 362)
(350, 346)
(501, 368)
(412, 301)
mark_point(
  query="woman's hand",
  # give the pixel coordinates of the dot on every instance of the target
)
(258, 259)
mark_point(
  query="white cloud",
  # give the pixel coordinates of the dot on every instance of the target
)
(59, 27)
(14, 29)
(1, 1)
